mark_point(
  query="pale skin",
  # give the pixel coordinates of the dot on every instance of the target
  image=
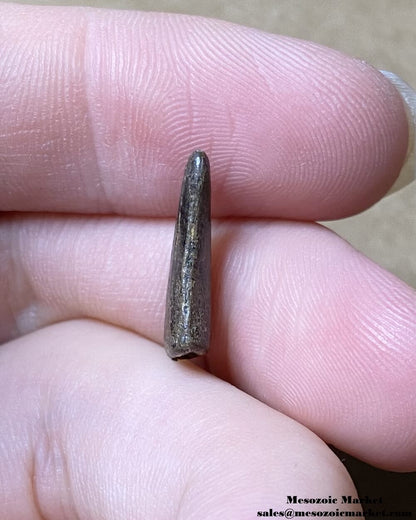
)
(99, 112)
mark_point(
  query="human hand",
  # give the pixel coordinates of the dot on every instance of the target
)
(100, 110)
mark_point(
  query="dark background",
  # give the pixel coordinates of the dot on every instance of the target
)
(397, 490)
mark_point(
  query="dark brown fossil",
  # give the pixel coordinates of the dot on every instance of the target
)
(188, 299)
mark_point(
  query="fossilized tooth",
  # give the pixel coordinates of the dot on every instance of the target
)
(188, 299)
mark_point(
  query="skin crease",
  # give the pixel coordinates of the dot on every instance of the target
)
(94, 104)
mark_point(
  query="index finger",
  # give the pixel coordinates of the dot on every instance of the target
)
(101, 108)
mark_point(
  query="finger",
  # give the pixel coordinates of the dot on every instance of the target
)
(301, 320)
(101, 114)
(103, 425)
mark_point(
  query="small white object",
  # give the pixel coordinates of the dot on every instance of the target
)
(408, 172)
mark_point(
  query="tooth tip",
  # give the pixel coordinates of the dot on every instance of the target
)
(198, 156)
(198, 164)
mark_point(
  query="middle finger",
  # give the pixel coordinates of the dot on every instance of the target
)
(301, 320)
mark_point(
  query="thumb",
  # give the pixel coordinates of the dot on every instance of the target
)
(98, 423)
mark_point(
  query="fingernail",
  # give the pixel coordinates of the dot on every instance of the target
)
(408, 172)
